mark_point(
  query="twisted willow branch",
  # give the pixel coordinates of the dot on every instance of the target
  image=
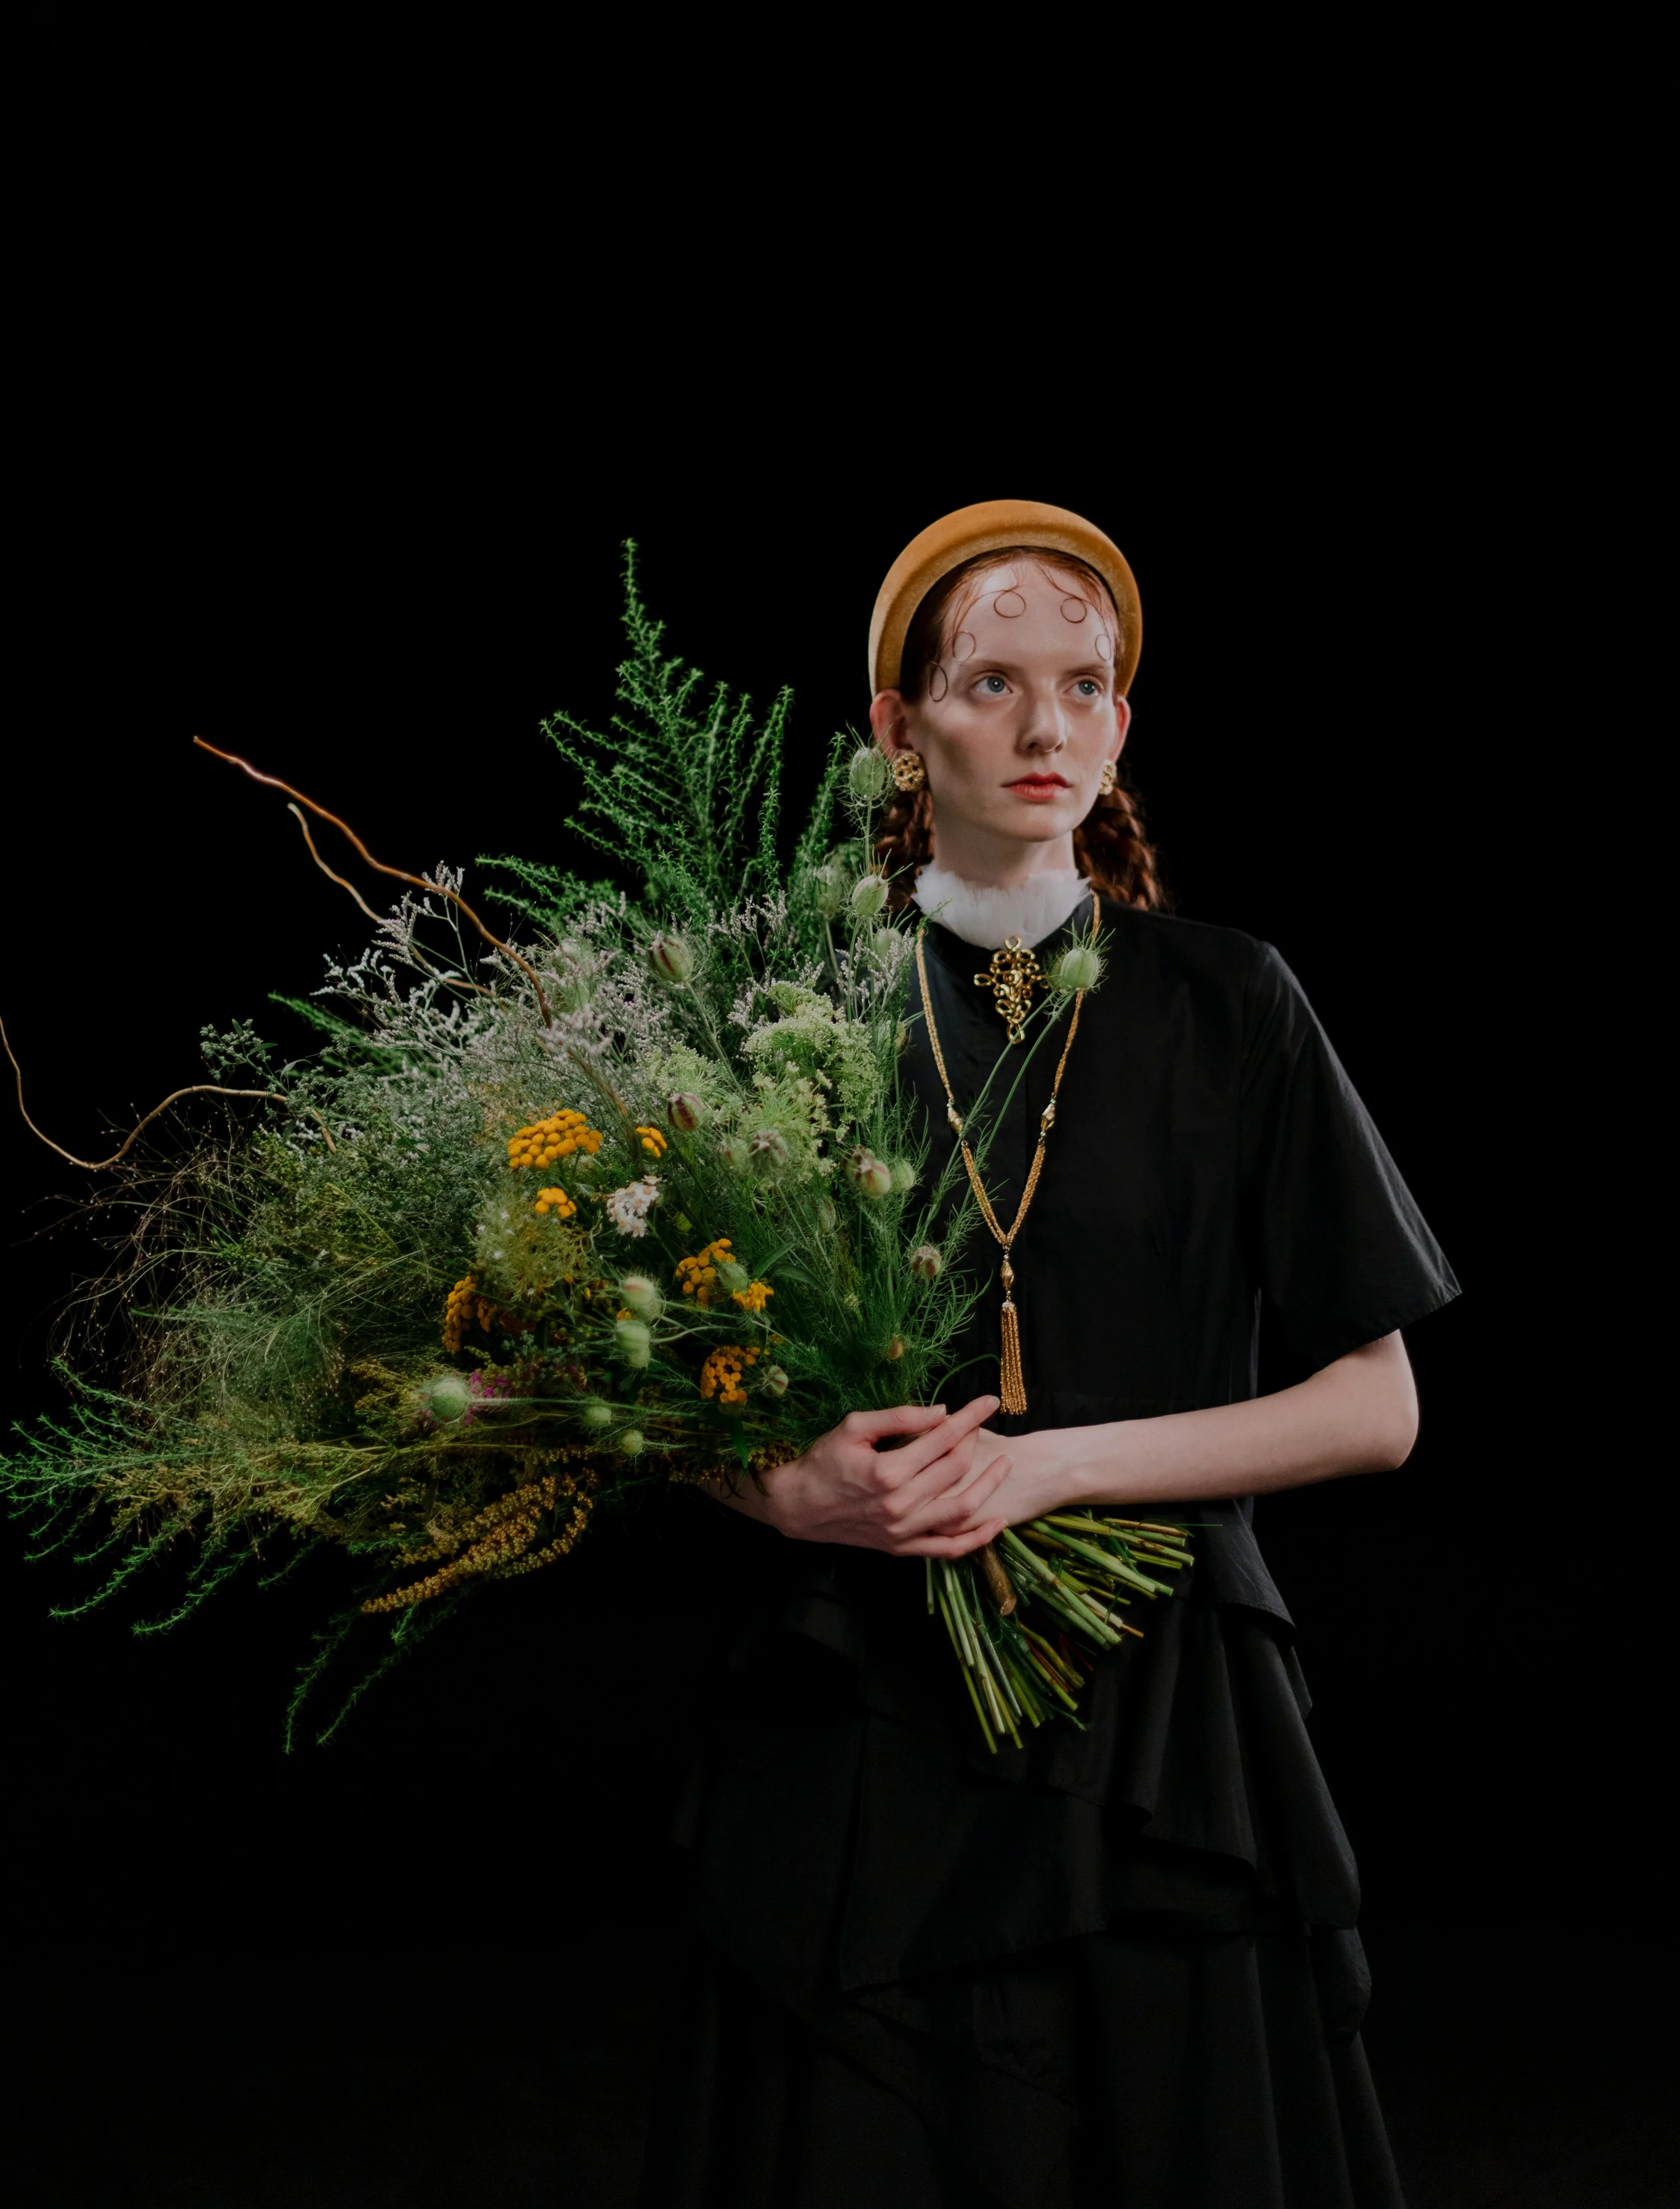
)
(97, 1165)
(396, 874)
(455, 982)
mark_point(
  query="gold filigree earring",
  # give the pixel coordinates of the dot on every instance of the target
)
(910, 771)
(1106, 780)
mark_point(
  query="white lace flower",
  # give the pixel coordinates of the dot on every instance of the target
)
(627, 1209)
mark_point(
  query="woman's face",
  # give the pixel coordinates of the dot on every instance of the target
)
(1015, 722)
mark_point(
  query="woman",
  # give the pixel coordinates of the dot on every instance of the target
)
(1121, 1964)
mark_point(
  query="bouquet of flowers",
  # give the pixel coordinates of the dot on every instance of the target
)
(639, 1198)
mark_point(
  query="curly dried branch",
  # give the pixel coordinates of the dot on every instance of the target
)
(97, 1165)
(296, 814)
(396, 874)
(455, 981)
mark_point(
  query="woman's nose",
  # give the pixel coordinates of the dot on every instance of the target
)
(1043, 729)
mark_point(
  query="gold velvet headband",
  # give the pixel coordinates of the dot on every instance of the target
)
(991, 527)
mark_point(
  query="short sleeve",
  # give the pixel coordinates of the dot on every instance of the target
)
(1338, 1251)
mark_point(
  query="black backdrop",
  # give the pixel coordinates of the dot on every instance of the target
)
(378, 602)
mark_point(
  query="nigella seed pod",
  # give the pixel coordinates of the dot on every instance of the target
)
(685, 1111)
(671, 959)
(574, 993)
(449, 1398)
(830, 888)
(903, 1176)
(736, 1153)
(635, 1343)
(597, 1414)
(642, 1297)
(868, 776)
(926, 1263)
(895, 1350)
(826, 1216)
(1078, 968)
(869, 896)
(769, 1147)
(870, 1176)
(632, 1441)
(775, 1381)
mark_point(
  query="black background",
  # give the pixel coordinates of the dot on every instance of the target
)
(368, 556)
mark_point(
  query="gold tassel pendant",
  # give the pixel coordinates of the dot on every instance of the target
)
(1012, 1389)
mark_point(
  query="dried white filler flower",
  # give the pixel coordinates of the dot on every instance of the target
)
(628, 1207)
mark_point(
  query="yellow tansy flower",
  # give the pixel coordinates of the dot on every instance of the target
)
(720, 1376)
(546, 1141)
(698, 1275)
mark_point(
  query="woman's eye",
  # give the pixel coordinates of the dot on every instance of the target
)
(1088, 687)
(992, 686)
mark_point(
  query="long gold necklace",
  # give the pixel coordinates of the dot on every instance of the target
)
(1012, 1391)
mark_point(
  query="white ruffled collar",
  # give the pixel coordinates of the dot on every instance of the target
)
(985, 917)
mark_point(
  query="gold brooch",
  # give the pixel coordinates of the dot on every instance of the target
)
(1011, 978)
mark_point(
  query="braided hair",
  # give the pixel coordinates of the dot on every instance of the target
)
(1110, 845)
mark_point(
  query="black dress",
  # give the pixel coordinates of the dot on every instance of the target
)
(1114, 1966)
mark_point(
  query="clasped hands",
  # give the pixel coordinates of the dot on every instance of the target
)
(936, 1494)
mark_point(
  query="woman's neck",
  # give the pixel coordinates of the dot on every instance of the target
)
(998, 862)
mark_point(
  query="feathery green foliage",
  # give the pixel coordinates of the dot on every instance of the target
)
(282, 1280)
(477, 1270)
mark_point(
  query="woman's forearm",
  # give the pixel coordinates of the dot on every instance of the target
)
(1358, 1415)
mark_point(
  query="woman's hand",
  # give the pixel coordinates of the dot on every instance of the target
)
(925, 1499)
(1034, 1481)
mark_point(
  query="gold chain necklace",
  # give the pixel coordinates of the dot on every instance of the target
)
(1012, 1391)
(1011, 978)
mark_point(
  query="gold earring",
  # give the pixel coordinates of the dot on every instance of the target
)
(910, 771)
(1106, 780)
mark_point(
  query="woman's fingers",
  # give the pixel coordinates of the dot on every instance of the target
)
(901, 1419)
(938, 1442)
(958, 1509)
(954, 1545)
(954, 1474)
(984, 1450)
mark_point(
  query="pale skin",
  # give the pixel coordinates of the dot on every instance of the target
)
(1014, 728)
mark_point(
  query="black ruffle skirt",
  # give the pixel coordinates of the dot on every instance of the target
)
(1116, 1967)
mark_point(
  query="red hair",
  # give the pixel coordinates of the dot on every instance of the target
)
(1109, 844)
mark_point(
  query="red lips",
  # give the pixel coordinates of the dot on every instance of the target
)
(1038, 785)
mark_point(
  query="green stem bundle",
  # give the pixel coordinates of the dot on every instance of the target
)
(1074, 1570)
